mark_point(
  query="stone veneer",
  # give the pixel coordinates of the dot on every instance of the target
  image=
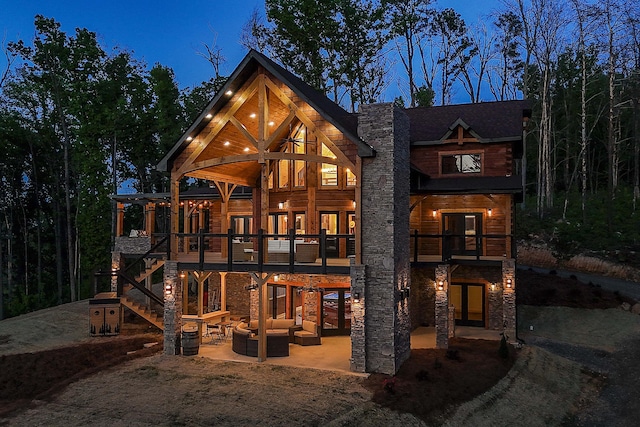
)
(172, 309)
(358, 331)
(509, 299)
(132, 245)
(443, 274)
(384, 205)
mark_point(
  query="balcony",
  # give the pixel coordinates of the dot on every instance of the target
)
(478, 249)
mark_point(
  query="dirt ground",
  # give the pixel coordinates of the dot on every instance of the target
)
(570, 372)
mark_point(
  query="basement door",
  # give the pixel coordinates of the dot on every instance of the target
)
(336, 312)
(468, 299)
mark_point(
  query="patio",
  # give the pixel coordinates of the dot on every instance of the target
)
(335, 352)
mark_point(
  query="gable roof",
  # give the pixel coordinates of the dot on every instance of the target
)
(499, 121)
(329, 110)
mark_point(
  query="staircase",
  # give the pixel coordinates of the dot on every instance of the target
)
(142, 311)
(155, 263)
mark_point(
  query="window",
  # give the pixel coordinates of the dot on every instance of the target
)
(351, 178)
(328, 171)
(461, 163)
(299, 166)
(278, 224)
(301, 223)
(283, 174)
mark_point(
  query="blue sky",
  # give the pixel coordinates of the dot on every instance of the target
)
(168, 32)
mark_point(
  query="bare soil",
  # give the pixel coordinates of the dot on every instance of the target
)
(73, 380)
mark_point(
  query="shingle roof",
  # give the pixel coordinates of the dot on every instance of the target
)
(491, 121)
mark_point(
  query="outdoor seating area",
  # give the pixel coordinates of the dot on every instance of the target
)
(280, 333)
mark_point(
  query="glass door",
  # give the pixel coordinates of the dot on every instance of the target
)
(468, 300)
(336, 312)
(351, 241)
(461, 234)
(329, 222)
(241, 225)
(277, 301)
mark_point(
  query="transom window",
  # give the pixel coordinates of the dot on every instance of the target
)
(461, 163)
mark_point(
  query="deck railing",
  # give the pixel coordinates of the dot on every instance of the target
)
(445, 247)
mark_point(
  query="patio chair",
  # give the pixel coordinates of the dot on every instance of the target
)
(215, 332)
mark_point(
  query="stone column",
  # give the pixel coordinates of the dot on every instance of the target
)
(509, 298)
(358, 330)
(443, 274)
(385, 236)
(172, 318)
(495, 306)
(116, 258)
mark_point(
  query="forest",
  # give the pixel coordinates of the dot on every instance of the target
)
(78, 122)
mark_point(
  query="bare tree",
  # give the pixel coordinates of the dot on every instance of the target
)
(212, 53)
(473, 75)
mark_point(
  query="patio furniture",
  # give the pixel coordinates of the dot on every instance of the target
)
(309, 335)
(244, 342)
(242, 251)
(307, 251)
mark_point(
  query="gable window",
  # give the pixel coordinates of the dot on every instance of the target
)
(329, 172)
(461, 163)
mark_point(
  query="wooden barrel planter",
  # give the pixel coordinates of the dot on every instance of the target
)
(190, 341)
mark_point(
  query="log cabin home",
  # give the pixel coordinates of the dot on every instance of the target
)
(367, 224)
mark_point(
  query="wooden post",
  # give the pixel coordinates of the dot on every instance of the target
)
(175, 212)
(262, 313)
(120, 220)
(223, 290)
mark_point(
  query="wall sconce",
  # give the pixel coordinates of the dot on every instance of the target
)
(493, 286)
(509, 283)
(114, 272)
(441, 285)
(489, 212)
(168, 289)
(276, 277)
(182, 275)
(435, 212)
(281, 205)
(251, 287)
(356, 297)
(353, 204)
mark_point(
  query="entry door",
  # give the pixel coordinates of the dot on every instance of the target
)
(336, 312)
(329, 222)
(468, 300)
(461, 232)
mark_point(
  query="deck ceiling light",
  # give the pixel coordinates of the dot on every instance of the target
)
(209, 116)
(246, 149)
(272, 123)
(229, 92)
(252, 115)
(189, 138)
(226, 143)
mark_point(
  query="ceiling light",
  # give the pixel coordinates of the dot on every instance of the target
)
(208, 116)
(246, 149)
(272, 123)
(229, 93)
(189, 138)
(252, 115)
(226, 143)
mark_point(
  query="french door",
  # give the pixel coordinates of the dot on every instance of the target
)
(462, 232)
(468, 300)
(329, 222)
(336, 312)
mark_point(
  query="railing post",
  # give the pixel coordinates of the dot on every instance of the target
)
(323, 250)
(229, 250)
(478, 245)
(261, 253)
(415, 245)
(292, 247)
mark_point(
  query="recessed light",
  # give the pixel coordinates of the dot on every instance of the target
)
(252, 115)
(271, 123)
(229, 93)
(189, 138)
(208, 116)
(226, 143)
(246, 149)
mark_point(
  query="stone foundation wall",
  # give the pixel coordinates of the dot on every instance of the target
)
(442, 305)
(132, 245)
(423, 297)
(509, 298)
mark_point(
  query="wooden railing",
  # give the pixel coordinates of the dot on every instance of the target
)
(447, 246)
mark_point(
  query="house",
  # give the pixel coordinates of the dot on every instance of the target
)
(366, 224)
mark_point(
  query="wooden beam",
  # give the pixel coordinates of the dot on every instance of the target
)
(175, 212)
(263, 117)
(261, 280)
(264, 202)
(243, 130)
(220, 124)
(225, 160)
(223, 290)
(247, 181)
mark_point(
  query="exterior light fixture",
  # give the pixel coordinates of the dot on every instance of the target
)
(493, 286)
(189, 138)
(182, 275)
(252, 115)
(509, 283)
(435, 212)
(229, 92)
(168, 289)
(354, 204)
(489, 211)
(209, 116)
(226, 143)
(272, 123)
(440, 285)
(356, 297)
(246, 149)
(276, 278)
(281, 205)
